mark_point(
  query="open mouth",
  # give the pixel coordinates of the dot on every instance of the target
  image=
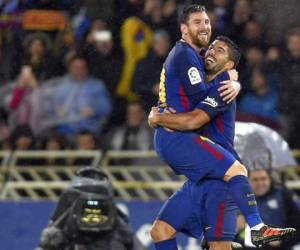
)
(210, 60)
(203, 34)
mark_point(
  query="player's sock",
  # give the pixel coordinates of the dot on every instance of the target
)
(169, 244)
(258, 227)
(244, 198)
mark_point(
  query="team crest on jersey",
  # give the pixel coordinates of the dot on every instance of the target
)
(194, 75)
(210, 101)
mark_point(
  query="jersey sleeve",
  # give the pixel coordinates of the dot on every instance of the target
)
(213, 103)
(191, 71)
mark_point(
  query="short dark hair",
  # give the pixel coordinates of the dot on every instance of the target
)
(234, 51)
(188, 10)
(72, 56)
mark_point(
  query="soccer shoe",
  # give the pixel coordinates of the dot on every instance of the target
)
(267, 234)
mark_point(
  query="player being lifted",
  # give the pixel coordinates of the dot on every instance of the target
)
(204, 207)
(183, 88)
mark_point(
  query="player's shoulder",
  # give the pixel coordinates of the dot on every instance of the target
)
(183, 49)
(217, 81)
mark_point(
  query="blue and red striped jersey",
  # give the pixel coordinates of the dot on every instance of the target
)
(183, 88)
(182, 79)
(221, 128)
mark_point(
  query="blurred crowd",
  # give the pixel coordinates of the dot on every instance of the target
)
(83, 74)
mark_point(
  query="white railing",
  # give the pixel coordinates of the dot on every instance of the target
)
(141, 176)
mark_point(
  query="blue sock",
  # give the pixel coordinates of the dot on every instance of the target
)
(243, 196)
(169, 244)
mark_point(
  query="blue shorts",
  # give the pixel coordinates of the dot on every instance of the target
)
(191, 155)
(206, 209)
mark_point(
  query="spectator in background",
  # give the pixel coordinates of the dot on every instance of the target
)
(147, 75)
(277, 206)
(222, 13)
(53, 142)
(6, 144)
(10, 50)
(4, 128)
(20, 104)
(97, 25)
(253, 36)
(86, 141)
(290, 86)
(135, 134)
(38, 56)
(242, 13)
(80, 102)
(162, 15)
(105, 63)
(272, 66)
(22, 138)
(261, 105)
(254, 58)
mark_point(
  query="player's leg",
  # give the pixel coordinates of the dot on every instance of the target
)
(213, 161)
(161, 230)
(198, 158)
(219, 215)
(242, 193)
(163, 235)
(172, 217)
(220, 245)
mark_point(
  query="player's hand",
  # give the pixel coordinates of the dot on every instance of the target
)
(233, 75)
(169, 111)
(153, 117)
(229, 90)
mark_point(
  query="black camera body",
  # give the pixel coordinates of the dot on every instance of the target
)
(87, 215)
(93, 211)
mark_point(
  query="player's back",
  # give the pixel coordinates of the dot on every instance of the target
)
(182, 79)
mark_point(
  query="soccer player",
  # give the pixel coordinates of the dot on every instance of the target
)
(205, 206)
(182, 87)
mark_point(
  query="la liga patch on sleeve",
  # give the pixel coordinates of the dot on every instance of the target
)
(194, 75)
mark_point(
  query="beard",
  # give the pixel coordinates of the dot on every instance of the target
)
(200, 43)
(213, 69)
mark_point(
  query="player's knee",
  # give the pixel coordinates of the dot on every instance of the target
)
(162, 231)
(236, 169)
(220, 245)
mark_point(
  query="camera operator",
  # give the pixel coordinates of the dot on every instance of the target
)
(87, 217)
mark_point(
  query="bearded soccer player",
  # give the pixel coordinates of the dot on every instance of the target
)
(183, 88)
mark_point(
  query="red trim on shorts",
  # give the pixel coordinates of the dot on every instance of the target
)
(220, 217)
(183, 99)
(209, 148)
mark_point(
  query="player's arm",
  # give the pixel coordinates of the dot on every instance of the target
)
(231, 88)
(180, 121)
(205, 111)
(192, 76)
